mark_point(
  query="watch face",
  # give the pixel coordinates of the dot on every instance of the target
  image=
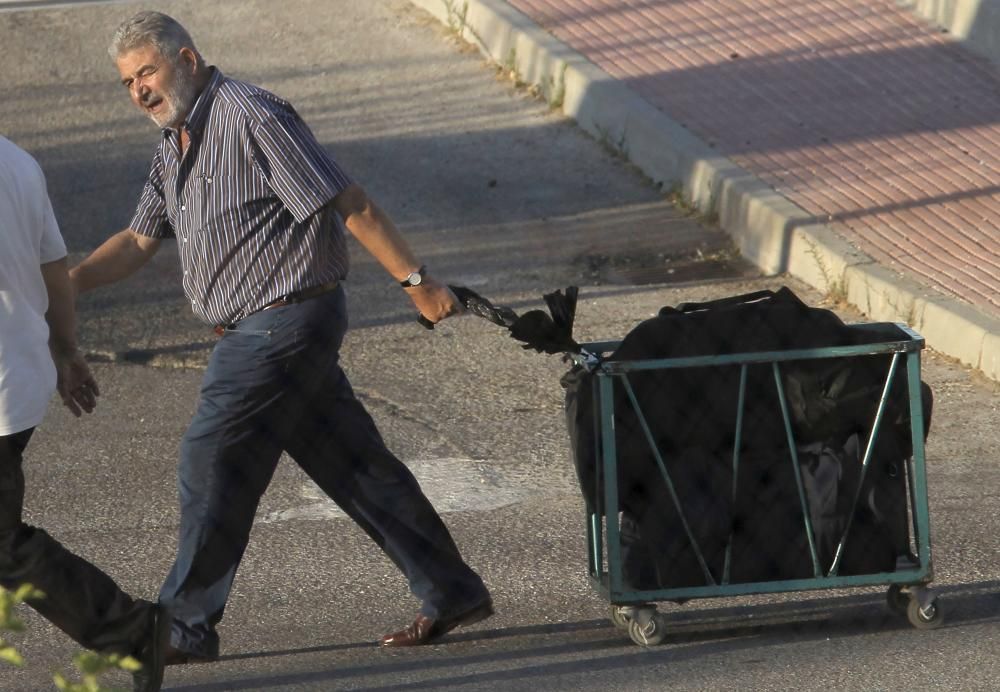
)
(414, 279)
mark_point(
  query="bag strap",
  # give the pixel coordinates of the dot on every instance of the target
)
(725, 302)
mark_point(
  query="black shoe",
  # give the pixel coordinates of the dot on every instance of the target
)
(178, 657)
(149, 678)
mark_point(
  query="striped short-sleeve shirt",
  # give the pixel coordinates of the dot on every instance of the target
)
(248, 204)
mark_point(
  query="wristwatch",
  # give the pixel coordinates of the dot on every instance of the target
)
(414, 279)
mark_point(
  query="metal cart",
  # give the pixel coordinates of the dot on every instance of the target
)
(635, 609)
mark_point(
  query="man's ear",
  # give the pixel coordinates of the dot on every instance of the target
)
(189, 58)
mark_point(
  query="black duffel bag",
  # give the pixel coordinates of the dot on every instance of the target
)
(692, 416)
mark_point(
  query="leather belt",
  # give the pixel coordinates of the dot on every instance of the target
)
(289, 299)
(299, 296)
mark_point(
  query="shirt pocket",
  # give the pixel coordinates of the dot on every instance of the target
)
(202, 200)
(230, 203)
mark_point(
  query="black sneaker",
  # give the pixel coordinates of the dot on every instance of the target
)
(149, 678)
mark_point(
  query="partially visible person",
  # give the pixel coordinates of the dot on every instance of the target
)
(39, 355)
(258, 209)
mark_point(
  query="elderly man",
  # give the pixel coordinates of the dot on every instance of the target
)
(258, 209)
(38, 354)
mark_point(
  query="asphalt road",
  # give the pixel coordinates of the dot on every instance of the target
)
(497, 193)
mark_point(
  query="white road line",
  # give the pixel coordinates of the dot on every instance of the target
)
(19, 5)
(452, 485)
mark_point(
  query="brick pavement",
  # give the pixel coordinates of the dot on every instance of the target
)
(855, 111)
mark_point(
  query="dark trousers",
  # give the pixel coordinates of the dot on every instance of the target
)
(80, 599)
(273, 384)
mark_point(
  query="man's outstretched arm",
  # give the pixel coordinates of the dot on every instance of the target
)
(378, 234)
(118, 257)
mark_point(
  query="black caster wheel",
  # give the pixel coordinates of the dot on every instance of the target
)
(928, 617)
(650, 634)
(619, 618)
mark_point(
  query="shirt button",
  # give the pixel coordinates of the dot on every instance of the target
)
(185, 240)
(184, 207)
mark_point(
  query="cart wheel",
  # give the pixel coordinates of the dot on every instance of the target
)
(619, 618)
(897, 600)
(926, 618)
(652, 634)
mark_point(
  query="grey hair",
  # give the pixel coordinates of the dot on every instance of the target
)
(151, 29)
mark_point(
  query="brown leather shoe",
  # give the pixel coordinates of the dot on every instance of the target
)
(424, 630)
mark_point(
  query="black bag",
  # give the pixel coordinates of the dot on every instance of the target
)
(692, 416)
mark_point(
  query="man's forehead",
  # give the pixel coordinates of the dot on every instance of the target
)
(134, 59)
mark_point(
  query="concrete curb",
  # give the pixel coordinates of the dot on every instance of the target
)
(976, 23)
(770, 231)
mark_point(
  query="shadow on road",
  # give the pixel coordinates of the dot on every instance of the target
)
(695, 635)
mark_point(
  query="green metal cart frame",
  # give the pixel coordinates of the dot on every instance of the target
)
(634, 610)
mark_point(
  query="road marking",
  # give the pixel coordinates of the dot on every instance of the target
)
(451, 484)
(13, 5)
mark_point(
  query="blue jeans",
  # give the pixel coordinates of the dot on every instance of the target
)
(273, 384)
(80, 599)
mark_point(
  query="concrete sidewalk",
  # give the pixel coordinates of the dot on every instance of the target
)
(847, 143)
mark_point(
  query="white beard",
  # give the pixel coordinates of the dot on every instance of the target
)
(178, 101)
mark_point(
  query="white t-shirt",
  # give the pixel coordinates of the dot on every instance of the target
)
(29, 237)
